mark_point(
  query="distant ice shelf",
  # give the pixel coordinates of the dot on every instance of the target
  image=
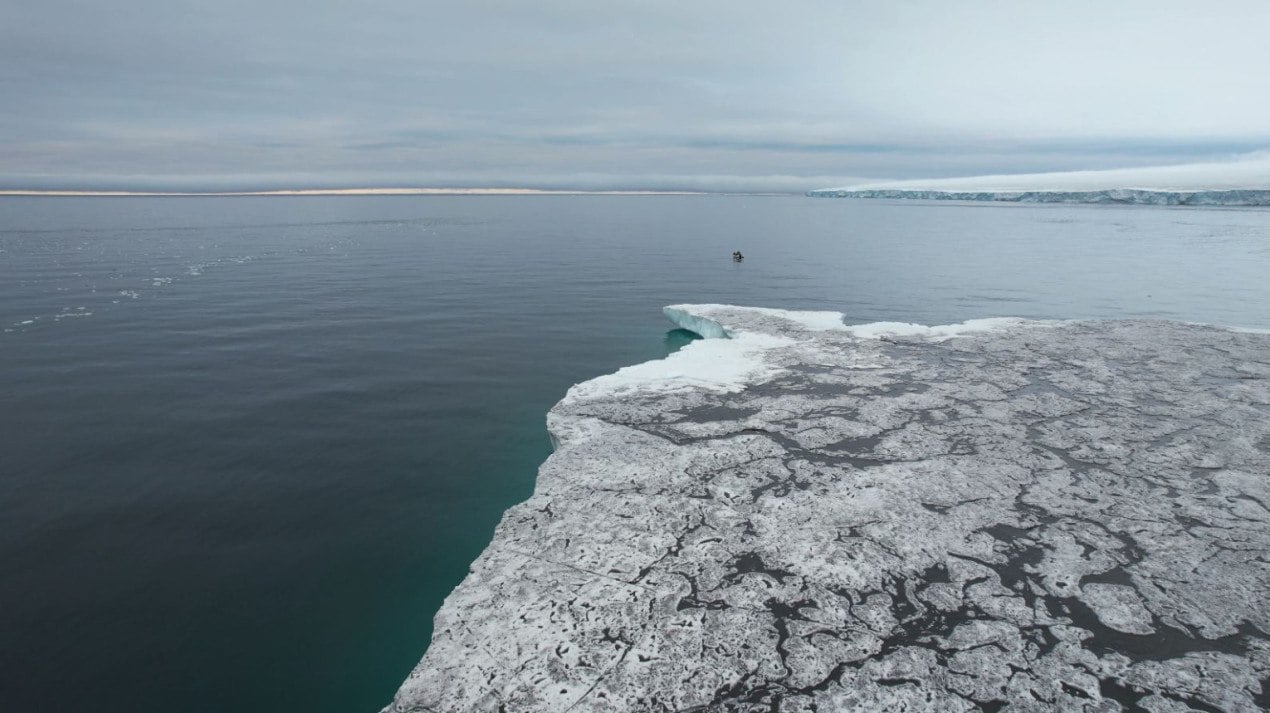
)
(1241, 182)
(1119, 195)
(800, 515)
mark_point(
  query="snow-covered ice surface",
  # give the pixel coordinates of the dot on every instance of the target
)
(1005, 515)
(1241, 182)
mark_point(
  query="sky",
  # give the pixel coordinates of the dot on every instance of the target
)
(704, 95)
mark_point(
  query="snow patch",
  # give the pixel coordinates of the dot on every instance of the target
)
(878, 330)
(816, 321)
(717, 364)
(738, 345)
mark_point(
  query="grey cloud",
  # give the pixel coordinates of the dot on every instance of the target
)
(284, 92)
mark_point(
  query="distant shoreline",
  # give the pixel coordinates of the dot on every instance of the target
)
(364, 192)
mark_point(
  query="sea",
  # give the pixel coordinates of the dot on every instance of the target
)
(249, 444)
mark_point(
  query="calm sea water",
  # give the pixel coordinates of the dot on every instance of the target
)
(247, 445)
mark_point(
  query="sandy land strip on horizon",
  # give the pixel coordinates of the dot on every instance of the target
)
(357, 192)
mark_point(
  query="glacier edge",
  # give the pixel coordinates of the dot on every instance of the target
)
(1121, 196)
(880, 516)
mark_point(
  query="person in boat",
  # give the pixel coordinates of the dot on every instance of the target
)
(737, 256)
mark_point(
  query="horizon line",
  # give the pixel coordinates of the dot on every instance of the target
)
(449, 191)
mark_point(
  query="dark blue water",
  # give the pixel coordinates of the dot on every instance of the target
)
(247, 445)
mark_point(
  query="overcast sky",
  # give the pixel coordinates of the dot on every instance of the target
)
(683, 94)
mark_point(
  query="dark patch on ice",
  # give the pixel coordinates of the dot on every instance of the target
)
(752, 563)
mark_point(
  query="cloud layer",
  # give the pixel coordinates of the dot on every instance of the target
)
(657, 94)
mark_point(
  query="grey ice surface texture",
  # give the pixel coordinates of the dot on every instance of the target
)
(1066, 516)
(1238, 197)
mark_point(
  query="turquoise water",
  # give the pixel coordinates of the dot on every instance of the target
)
(249, 444)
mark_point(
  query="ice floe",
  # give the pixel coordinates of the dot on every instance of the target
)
(801, 515)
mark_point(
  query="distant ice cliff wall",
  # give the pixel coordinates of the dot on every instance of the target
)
(1120, 195)
(1243, 181)
(799, 515)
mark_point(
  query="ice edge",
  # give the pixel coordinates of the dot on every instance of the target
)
(732, 328)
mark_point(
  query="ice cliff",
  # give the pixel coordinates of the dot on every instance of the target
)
(799, 515)
(1116, 195)
(1241, 182)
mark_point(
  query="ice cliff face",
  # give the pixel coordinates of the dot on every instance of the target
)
(1242, 182)
(1243, 197)
(1001, 515)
